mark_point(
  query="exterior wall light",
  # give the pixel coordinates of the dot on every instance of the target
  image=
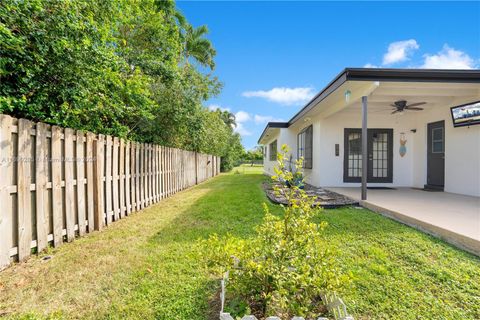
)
(348, 95)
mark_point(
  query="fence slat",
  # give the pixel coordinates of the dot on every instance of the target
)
(57, 194)
(98, 174)
(41, 177)
(122, 179)
(133, 175)
(159, 177)
(169, 172)
(175, 160)
(90, 181)
(137, 178)
(69, 189)
(154, 174)
(80, 161)
(148, 167)
(6, 223)
(162, 173)
(149, 170)
(24, 208)
(128, 204)
(108, 180)
(142, 175)
(115, 179)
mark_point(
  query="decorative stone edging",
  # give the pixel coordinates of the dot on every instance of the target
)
(325, 198)
(334, 305)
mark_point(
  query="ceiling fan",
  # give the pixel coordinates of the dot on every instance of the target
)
(401, 105)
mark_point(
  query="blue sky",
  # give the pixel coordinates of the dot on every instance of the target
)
(273, 56)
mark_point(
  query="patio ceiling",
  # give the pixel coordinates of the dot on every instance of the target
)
(384, 94)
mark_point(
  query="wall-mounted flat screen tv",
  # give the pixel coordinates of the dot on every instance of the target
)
(466, 114)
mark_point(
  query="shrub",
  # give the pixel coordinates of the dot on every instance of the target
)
(286, 265)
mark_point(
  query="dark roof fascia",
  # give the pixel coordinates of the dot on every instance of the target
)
(413, 75)
(331, 87)
(272, 125)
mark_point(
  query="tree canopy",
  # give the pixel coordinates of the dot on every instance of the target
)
(131, 68)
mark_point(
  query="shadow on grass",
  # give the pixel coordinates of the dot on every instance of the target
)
(233, 204)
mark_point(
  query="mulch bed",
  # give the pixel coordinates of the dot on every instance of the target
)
(325, 198)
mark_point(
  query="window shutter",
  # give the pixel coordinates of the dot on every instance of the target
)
(273, 151)
(308, 147)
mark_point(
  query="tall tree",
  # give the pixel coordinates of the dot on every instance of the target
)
(198, 47)
(117, 67)
(228, 118)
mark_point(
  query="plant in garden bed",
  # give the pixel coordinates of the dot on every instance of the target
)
(286, 265)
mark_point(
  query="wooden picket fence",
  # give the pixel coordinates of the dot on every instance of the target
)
(56, 184)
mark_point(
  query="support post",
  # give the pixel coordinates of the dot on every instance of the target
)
(364, 148)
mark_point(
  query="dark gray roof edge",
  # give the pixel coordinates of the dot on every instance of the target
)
(384, 74)
(420, 75)
(272, 125)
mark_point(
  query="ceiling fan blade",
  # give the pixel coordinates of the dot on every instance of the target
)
(413, 108)
(394, 105)
(416, 104)
(395, 111)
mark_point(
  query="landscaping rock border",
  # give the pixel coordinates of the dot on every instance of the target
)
(325, 198)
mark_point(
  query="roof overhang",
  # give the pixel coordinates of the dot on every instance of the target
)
(271, 129)
(376, 75)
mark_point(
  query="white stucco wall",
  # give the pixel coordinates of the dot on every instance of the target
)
(284, 136)
(332, 132)
(462, 152)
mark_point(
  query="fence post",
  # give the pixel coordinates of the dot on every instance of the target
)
(98, 182)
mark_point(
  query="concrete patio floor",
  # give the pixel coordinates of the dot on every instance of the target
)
(452, 217)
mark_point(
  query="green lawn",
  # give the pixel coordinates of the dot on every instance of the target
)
(142, 267)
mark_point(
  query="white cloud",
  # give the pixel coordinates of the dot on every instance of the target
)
(286, 96)
(214, 107)
(400, 51)
(240, 128)
(369, 65)
(448, 58)
(242, 116)
(264, 119)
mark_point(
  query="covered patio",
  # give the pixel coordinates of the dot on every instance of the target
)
(452, 217)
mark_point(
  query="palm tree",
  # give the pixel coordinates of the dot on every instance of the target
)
(199, 48)
(227, 117)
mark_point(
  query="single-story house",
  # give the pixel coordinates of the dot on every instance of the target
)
(385, 137)
(420, 132)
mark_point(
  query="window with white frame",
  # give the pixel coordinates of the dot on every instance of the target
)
(305, 146)
(273, 150)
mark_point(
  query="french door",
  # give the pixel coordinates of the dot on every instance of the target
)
(380, 155)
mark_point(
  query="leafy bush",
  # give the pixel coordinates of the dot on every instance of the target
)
(286, 265)
(131, 68)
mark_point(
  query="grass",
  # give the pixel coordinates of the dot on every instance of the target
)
(142, 267)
